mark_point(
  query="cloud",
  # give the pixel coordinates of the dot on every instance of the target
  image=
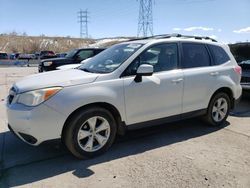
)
(219, 30)
(194, 29)
(198, 28)
(177, 29)
(195, 1)
(243, 30)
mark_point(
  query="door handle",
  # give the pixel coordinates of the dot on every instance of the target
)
(214, 73)
(177, 80)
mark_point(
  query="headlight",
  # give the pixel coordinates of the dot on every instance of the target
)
(36, 97)
(47, 63)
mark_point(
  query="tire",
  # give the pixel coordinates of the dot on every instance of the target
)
(83, 135)
(40, 69)
(218, 109)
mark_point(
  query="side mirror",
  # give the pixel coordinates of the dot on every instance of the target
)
(143, 70)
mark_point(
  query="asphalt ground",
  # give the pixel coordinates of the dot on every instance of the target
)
(182, 154)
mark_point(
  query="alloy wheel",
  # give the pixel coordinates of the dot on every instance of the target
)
(93, 134)
(220, 109)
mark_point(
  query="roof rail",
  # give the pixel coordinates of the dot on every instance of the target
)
(196, 37)
(154, 37)
(162, 36)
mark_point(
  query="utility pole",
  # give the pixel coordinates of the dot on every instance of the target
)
(145, 22)
(83, 20)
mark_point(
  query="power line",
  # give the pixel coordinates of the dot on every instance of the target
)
(83, 20)
(145, 22)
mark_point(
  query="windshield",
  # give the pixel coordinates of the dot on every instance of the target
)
(110, 59)
(71, 53)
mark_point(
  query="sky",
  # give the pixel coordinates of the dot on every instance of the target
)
(225, 20)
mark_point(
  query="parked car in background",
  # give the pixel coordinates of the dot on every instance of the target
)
(26, 56)
(3, 55)
(16, 55)
(61, 54)
(73, 57)
(12, 56)
(241, 52)
(46, 54)
(245, 78)
(72, 66)
(130, 85)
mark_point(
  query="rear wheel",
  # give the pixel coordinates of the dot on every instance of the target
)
(218, 109)
(90, 132)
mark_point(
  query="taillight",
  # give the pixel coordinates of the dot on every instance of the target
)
(238, 70)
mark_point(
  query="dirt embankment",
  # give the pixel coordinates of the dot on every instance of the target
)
(29, 44)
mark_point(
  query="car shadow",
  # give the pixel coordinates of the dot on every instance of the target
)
(134, 142)
(242, 109)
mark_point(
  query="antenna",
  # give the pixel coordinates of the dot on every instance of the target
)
(83, 20)
(145, 22)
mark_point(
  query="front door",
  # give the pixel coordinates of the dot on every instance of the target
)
(157, 96)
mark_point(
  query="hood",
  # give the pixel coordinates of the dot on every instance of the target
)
(56, 59)
(70, 66)
(60, 60)
(62, 78)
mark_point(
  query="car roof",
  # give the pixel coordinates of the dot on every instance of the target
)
(174, 38)
(91, 48)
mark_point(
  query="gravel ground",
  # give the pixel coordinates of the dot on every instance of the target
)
(183, 154)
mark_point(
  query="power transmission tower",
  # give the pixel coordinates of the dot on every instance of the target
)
(145, 22)
(83, 20)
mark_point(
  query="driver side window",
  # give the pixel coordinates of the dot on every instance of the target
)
(85, 54)
(162, 57)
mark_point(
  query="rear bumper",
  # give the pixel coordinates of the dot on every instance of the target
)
(236, 96)
(235, 102)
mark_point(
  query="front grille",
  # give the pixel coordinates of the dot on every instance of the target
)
(245, 79)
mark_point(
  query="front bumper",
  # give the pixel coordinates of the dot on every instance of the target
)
(34, 125)
(42, 68)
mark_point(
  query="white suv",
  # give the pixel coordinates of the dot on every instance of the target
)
(130, 85)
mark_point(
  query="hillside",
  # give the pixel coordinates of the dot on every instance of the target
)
(29, 44)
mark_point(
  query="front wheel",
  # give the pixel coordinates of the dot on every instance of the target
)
(90, 132)
(218, 109)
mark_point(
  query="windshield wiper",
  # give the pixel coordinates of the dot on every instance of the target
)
(93, 71)
(87, 70)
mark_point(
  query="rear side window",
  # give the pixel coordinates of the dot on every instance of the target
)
(219, 55)
(195, 55)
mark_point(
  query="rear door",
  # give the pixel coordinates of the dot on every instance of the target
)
(199, 76)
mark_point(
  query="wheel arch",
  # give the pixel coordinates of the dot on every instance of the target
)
(111, 108)
(227, 91)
